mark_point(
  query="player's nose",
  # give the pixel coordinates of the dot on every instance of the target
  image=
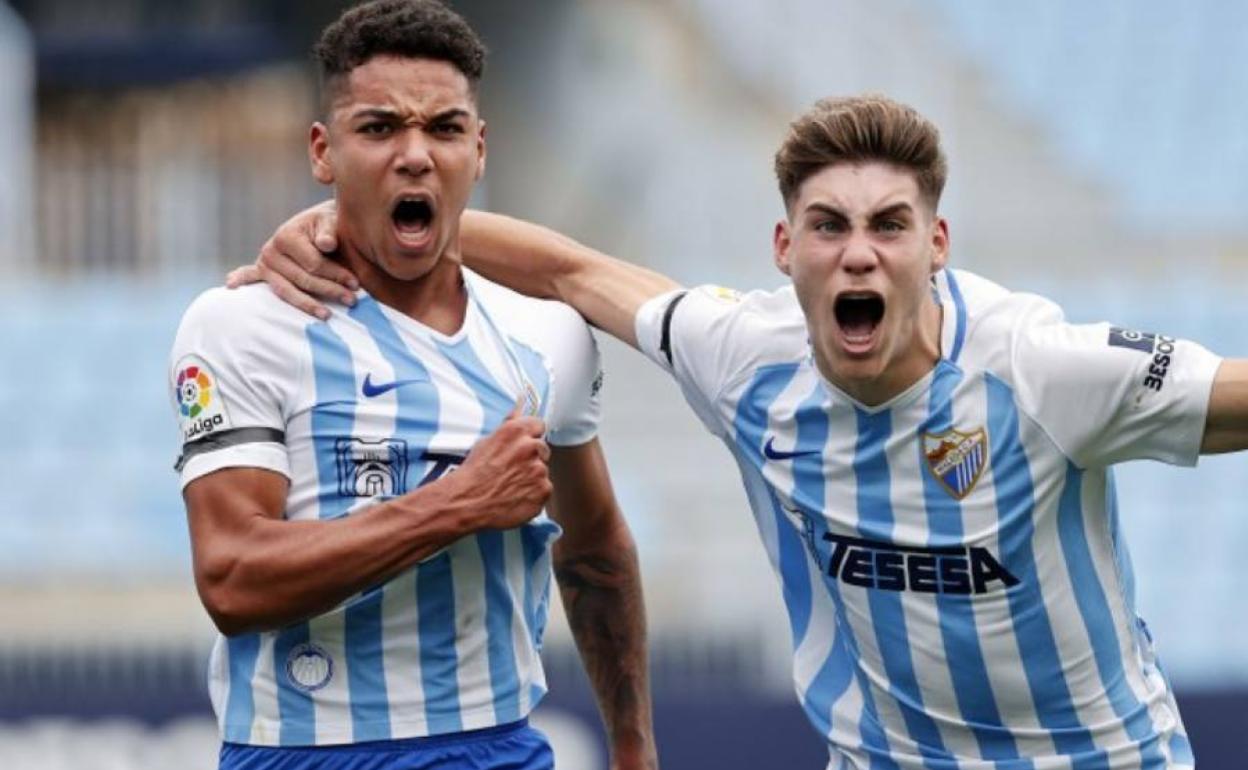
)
(859, 255)
(413, 156)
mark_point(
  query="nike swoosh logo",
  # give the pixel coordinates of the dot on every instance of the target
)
(771, 453)
(372, 391)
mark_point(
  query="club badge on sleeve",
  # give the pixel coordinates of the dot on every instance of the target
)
(201, 409)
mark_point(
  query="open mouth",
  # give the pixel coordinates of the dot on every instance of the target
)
(412, 216)
(859, 315)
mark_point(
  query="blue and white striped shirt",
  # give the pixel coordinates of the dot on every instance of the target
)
(362, 407)
(951, 561)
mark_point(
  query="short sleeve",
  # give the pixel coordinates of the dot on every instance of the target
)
(700, 336)
(578, 378)
(1107, 394)
(227, 400)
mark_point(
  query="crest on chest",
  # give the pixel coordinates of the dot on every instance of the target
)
(956, 459)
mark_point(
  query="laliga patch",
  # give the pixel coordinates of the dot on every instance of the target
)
(956, 459)
(201, 409)
(722, 294)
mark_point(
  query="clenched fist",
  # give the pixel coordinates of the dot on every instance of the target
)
(505, 479)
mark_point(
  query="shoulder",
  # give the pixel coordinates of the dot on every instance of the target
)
(247, 310)
(247, 332)
(546, 325)
(996, 319)
(709, 336)
(756, 325)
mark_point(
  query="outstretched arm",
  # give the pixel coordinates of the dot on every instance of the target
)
(596, 567)
(1226, 427)
(540, 262)
(529, 258)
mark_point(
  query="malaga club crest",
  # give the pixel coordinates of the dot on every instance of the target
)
(956, 459)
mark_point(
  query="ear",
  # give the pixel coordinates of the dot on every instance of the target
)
(480, 151)
(940, 244)
(782, 241)
(319, 154)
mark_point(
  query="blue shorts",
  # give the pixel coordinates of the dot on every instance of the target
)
(514, 746)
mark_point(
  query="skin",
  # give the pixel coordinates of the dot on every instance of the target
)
(409, 127)
(864, 227)
(399, 128)
(836, 237)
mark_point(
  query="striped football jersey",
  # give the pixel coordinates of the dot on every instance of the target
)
(354, 410)
(956, 583)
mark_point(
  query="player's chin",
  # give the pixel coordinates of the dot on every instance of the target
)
(408, 265)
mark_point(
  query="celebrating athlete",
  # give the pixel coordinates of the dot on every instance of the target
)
(365, 492)
(928, 455)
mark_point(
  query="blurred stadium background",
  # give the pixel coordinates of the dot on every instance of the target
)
(1099, 155)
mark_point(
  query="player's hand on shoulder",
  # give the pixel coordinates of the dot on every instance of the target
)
(294, 263)
(506, 475)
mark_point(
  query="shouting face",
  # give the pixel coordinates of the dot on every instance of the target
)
(403, 148)
(861, 245)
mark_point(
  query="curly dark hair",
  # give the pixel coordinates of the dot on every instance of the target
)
(419, 29)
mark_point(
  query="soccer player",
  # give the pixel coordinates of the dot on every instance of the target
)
(365, 492)
(927, 455)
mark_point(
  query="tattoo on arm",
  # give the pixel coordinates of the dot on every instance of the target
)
(603, 600)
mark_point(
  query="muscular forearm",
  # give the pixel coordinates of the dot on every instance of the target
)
(540, 262)
(257, 571)
(281, 572)
(602, 595)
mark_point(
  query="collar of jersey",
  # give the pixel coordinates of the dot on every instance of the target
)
(405, 321)
(950, 313)
(902, 399)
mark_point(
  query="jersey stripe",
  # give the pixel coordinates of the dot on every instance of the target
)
(751, 420)
(813, 429)
(415, 422)
(536, 537)
(240, 706)
(1097, 618)
(959, 308)
(435, 595)
(536, 544)
(959, 633)
(499, 606)
(888, 618)
(334, 380)
(1032, 627)
(294, 706)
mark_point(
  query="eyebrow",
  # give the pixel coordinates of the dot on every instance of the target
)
(823, 208)
(385, 113)
(896, 208)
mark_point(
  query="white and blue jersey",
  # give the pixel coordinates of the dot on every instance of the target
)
(365, 406)
(959, 594)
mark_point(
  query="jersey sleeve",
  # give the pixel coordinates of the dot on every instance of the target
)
(1106, 394)
(576, 407)
(696, 336)
(227, 397)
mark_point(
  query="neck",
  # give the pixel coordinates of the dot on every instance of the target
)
(905, 366)
(437, 299)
